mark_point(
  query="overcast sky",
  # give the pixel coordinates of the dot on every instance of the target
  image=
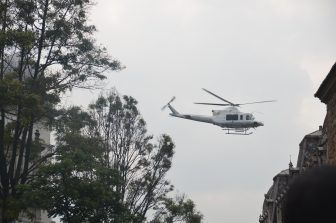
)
(243, 50)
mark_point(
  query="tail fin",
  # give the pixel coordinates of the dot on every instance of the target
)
(173, 110)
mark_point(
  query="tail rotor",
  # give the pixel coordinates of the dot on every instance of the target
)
(171, 100)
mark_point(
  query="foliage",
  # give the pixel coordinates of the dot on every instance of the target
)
(105, 167)
(128, 148)
(178, 209)
(101, 173)
(76, 186)
(46, 48)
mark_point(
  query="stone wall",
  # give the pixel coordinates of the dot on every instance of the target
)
(330, 127)
(327, 94)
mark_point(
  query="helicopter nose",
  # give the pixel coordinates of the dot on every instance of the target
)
(257, 124)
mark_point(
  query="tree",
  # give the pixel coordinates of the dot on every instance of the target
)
(107, 169)
(76, 186)
(104, 178)
(178, 209)
(128, 148)
(46, 48)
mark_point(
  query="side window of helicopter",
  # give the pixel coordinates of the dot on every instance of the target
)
(231, 117)
(248, 117)
(241, 117)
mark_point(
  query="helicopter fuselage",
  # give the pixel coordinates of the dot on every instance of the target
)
(230, 118)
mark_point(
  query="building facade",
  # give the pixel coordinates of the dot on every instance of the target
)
(316, 149)
(327, 94)
(311, 154)
(37, 215)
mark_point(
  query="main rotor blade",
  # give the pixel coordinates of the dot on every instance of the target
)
(218, 97)
(257, 102)
(200, 103)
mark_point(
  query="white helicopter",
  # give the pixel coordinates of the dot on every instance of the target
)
(230, 119)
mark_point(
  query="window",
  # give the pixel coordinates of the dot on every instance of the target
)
(241, 117)
(248, 117)
(231, 117)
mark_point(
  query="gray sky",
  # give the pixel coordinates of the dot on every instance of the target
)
(243, 50)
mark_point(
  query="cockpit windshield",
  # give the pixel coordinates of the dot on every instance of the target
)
(249, 117)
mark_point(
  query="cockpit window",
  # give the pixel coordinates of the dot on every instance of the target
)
(248, 117)
(231, 117)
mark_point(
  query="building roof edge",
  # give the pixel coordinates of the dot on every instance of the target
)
(323, 92)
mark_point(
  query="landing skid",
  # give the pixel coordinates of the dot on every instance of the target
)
(237, 131)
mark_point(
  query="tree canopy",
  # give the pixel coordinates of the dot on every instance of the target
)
(128, 147)
(76, 185)
(46, 48)
(108, 169)
(178, 209)
(105, 167)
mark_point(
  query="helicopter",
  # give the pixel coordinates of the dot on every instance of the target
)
(230, 119)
